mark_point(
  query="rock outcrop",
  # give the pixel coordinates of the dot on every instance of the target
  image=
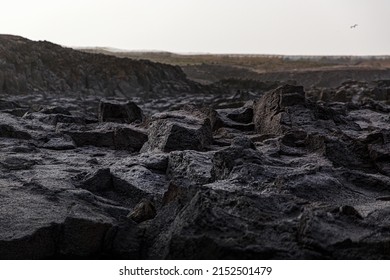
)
(271, 113)
(179, 130)
(117, 136)
(27, 67)
(116, 111)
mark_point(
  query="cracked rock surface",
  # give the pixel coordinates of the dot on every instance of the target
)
(285, 176)
(109, 158)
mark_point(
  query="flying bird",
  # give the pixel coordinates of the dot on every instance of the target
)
(354, 26)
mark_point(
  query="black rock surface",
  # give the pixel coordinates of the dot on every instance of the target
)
(291, 173)
(29, 66)
(307, 180)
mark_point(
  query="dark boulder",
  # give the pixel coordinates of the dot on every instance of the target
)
(179, 130)
(270, 116)
(44, 223)
(119, 111)
(191, 168)
(96, 181)
(115, 136)
(10, 131)
(210, 227)
(143, 211)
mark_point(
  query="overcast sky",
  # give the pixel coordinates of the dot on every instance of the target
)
(302, 27)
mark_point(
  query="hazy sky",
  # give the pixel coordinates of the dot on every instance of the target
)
(306, 27)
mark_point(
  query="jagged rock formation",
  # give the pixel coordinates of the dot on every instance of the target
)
(179, 130)
(283, 177)
(27, 66)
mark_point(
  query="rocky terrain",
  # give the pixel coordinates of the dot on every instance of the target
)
(282, 172)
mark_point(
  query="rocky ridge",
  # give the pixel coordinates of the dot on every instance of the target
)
(43, 67)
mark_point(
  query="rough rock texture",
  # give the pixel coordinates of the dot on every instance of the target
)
(272, 114)
(354, 92)
(120, 137)
(115, 111)
(179, 130)
(236, 118)
(307, 180)
(28, 66)
(143, 211)
(289, 175)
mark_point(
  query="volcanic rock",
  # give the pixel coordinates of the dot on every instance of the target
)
(122, 112)
(65, 224)
(270, 114)
(191, 168)
(116, 136)
(60, 143)
(295, 174)
(143, 211)
(179, 130)
(29, 66)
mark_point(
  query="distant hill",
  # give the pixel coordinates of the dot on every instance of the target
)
(27, 66)
(258, 62)
(306, 70)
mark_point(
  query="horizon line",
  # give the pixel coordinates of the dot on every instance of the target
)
(196, 53)
(119, 50)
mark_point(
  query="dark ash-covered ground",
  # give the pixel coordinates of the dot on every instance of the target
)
(194, 173)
